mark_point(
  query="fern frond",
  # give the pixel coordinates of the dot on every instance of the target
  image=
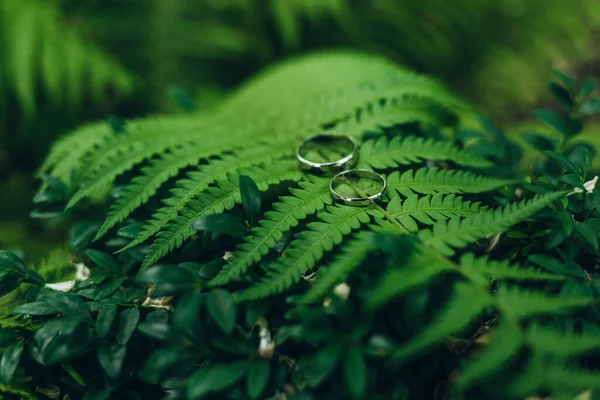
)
(502, 270)
(350, 257)
(519, 303)
(506, 340)
(421, 268)
(459, 232)
(432, 180)
(564, 379)
(39, 45)
(385, 153)
(223, 196)
(544, 339)
(67, 153)
(428, 209)
(197, 181)
(147, 183)
(466, 304)
(311, 197)
(308, 248)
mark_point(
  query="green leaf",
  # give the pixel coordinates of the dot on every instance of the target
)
(466, 304)
(222, 308)
(169, 278)
(106, 317)
(10, 262)
(551, 119)
(588, 233)
(221, 223)
(128, 320)
(505, 342)
(214, 377)
(186, 318)
(566, 164)
(520, 303)
(574, 180)
(105, 261)
(591, 106)
(257, 379)
(9, 284)
(562, 95)
(320, 366)
(10, 360)
(250, 199)
(111, 358)
(68, 304)
(538, 141)
(587, 87)
(554, 265)
(566, 80)
(355, 372)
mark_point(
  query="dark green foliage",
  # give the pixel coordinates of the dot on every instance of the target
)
(238, 277)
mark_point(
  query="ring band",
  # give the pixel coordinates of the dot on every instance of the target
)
(329, 165)
(358, 201)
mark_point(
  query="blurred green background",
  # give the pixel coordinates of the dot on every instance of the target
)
(63, 62)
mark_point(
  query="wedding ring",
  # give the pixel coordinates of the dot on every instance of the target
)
(310, 150)
(358, 194)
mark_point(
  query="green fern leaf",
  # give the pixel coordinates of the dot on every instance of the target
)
(308, 248)
(421, 269)
(505, 343)
(395, 111)
(519, 303)
(385, 153)
(502, 270)
(466, 304)
(198, 181)
(545, 340)
(214, 200)
(432, 180)
(459, 232)
(350, 257)
(429, 209)
(571, 380)
(287, 213)
(145, 185)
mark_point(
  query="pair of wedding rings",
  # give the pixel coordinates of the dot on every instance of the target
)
(308, 155)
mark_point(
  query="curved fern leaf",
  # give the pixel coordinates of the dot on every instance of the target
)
(432, 180)
(308, 248)
(350, 257)
(421, 269)
(519, 303)
(458, 232)
(288, 212)
(214, 200)
(502, 270)
(544, 340)
(429, 209)
(385, 153)
(505, 342)
(466, 304)
(197, 181)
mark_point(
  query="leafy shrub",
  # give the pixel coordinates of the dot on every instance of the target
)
(223, 271)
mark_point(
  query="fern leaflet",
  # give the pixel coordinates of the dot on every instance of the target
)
(385, 153)
(288, 211)
(351, 256)
(466, 304)
(544, 340)
(502, 270)
(459, 232)
(305, 251)
(519, 303)
(429, 209)
(432, 180)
